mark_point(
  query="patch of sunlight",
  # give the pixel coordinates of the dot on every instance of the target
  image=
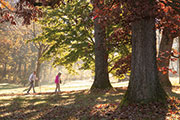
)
(29, 111)
(176, 91)
(118, 100)
(7, 98)
(4, 84)
(113, 94)
(55, 104)
(101, 99)
(120, 84)
(5, 104)
(72, 118)
(2, 110)
(69, 102)
(39, 102)
(5, 114)
(175, 84)
(174, 81)
(65, 96)
(29, 97)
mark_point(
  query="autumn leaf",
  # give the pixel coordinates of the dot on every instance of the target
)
(4, 4)
(164, 72)
(95, 17)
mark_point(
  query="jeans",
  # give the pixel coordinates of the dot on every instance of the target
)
(31, 86)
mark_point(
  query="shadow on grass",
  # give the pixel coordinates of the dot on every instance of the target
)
(80, 105)
(5, 86)
(67, 105)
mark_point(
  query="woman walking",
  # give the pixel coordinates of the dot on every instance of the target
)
(58, 81)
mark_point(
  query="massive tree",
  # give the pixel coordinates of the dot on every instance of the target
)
(144, 85)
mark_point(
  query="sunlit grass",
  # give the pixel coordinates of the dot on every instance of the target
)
(175, 81)
(66, 105)
(6, 88)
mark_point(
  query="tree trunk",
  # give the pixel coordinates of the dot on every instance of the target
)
(179, 58)
(25, 71)
(38, 65)
(5, 70)
(144, 85)
(101, 80)
(19, 68)
(165, 47)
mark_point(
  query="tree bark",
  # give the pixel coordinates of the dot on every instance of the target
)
(179, 58)
(25, 71)
(144, 85)
(19, 68)
(4, 70)
(165, 47)
(101, 80)
(38, 65)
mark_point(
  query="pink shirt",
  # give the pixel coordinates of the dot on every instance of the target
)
(57, 79)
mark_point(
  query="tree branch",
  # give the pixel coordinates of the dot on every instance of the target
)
(7, 7)
(172, 54)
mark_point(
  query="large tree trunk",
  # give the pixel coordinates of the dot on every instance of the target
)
(144, 85)
(101, 80)
(165, 48)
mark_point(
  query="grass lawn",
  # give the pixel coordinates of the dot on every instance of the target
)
(81, 105)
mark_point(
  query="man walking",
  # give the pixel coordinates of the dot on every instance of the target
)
(32, 79)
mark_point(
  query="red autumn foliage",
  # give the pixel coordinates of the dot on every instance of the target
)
(166, 12)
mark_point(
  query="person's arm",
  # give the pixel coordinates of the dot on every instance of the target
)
(59, 79)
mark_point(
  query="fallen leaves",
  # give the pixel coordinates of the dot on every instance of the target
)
(81, 105)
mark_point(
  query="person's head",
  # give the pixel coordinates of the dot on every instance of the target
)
(59, 74)
(34, 72)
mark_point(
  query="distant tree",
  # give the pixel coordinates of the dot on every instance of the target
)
(169, 25)
(41, 48)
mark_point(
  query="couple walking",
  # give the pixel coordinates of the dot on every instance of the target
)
(32, 79)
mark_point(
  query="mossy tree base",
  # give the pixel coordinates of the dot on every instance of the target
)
(128, 99)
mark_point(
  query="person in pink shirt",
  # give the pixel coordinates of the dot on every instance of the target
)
(58, 81)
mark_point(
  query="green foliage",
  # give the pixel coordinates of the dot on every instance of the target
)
(68, 29)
